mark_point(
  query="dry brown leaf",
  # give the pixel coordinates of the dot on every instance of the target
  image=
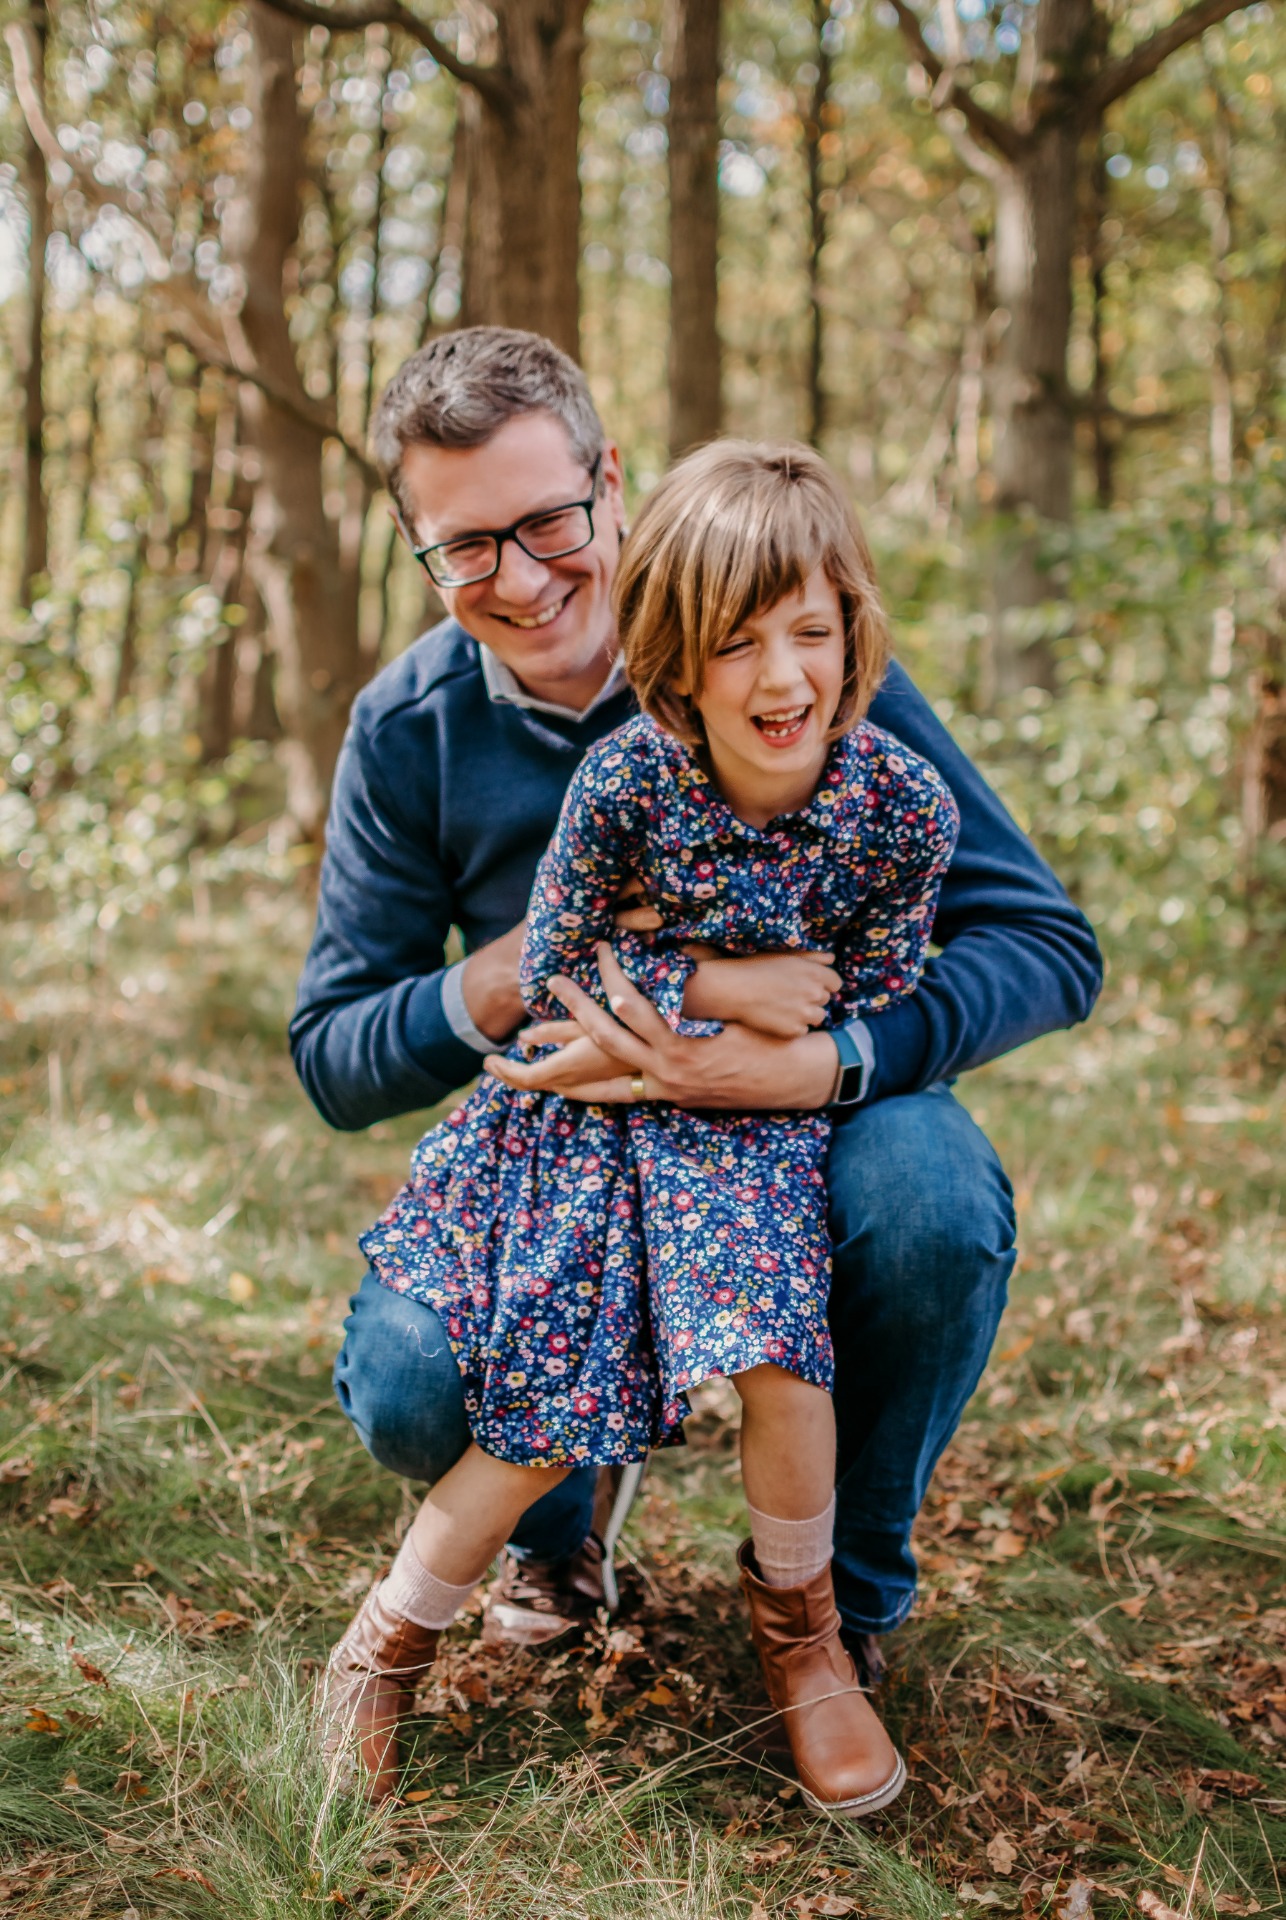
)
(129, 1784)
(62, 1507)
(1227, 1780)
(88, 1671)
(38, 1721)
(1134, 1606)
(185, 1873)
(1001, 1853)
(1156, 1908)
(1007, 1545)
(11, 1471)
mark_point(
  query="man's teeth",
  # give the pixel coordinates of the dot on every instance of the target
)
(541, 619)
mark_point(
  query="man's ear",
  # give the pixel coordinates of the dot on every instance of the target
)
(614, 481)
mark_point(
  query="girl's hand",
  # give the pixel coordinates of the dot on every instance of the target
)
(784, 994)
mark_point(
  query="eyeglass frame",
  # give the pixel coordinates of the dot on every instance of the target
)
(502, 534)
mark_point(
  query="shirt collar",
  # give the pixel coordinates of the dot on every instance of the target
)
(505, 688)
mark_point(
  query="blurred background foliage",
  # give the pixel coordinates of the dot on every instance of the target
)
(197, 566)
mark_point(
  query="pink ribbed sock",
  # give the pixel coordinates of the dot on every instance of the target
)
(790, 1552)
(411, 1590)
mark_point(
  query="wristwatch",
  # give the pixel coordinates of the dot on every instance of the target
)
(856, 1064)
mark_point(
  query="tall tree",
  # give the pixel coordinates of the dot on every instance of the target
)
(309, 593)
(692, 63)
(817, 114)
(27, 43)
(521, 119)
(1066, 81)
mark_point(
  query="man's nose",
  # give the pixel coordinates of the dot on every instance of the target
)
(519, 579)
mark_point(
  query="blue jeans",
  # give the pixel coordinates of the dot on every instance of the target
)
(922, 1220)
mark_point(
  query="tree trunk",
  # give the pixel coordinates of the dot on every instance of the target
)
(1106, 434)
(1036, 208)
(309, 596)
(692, 61)
(35, 544)
(522, 243)
(815, 122)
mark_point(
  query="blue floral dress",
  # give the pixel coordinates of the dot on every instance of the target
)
(592, 1263)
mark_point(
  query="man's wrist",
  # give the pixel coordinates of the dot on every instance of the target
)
(486, 993)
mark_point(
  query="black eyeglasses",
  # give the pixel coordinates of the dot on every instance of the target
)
(550, 535)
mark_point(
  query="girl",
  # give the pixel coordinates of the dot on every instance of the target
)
(592, 1263)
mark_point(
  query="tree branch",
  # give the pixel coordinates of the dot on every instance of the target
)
(952, 92)
(493, 83)
(187, 328)
(1120, 76)
(17, 39)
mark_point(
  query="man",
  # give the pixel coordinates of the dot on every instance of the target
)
(455, 765)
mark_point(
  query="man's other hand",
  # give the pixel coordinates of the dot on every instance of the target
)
(602, 1054)
(490, 985)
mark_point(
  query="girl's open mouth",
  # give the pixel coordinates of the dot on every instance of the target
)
(782, 728)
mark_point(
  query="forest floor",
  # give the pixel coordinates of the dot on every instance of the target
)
(1091, 1695)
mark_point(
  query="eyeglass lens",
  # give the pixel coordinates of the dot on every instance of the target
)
(459, 563)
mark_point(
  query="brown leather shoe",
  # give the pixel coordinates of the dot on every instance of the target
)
(368, 1688)
(845, 1761)
(535, 1601)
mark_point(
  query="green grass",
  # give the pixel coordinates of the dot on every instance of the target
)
(1093, 1687)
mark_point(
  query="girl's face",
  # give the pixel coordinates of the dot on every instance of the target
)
(771, 691)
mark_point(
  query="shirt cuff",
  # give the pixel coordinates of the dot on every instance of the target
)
(456, 1013)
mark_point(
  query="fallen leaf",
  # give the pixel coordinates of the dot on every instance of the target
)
(420, 1793)
(185, 1873)
(1156, 1908)
(1134, 1606)
(1234, 1903)
(1077, 1903)
(825, 1903)
(64, 1508)
(1227, 1780)
(70, 1784)
(1007, 1545)
(88, 1671)
(1002, 1853)
(129, 1784)
(38, 1721)
(661, 1695)
(11, 1471)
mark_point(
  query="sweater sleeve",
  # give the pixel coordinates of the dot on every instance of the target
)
(1017, 958)
(369, 1035)
(594, 850)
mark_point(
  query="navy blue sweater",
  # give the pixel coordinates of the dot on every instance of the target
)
(444, 802)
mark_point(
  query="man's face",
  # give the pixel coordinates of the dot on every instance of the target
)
(549, 621)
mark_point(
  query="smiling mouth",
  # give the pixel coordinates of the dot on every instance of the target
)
(531, 622)
(782, 728)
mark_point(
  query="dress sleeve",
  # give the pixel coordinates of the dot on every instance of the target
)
(881, 952)
(598, 845)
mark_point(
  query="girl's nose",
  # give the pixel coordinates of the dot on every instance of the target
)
(778, 667)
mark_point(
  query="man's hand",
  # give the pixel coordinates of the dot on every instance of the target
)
(601, 1057)
(490, 985)
(785, 994)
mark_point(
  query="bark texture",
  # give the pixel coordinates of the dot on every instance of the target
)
(522, 240)
(309, 595)
(693, 51)
(35, 541)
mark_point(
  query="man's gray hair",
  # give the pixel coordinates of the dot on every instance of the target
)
(460, 390)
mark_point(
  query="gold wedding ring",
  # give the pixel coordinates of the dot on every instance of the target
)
(638, 1090)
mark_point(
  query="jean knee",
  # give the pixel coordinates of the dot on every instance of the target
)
(922, 1211)
(397, 1381)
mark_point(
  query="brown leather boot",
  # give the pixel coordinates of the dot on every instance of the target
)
(369, 1687)
(845, 1760)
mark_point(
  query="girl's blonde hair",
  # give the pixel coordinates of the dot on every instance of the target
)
(731, 530)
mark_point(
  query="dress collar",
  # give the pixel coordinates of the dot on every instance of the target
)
(831, 811)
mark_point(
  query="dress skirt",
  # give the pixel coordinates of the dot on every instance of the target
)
(591, 1264)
